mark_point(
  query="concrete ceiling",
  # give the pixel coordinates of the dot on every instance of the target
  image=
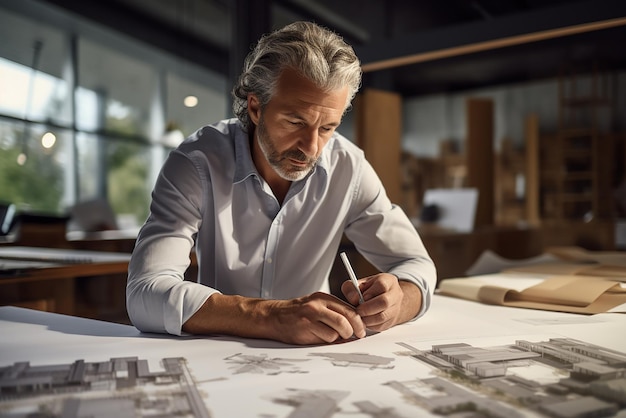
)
(414, 47)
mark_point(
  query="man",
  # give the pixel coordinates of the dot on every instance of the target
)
(265, 199)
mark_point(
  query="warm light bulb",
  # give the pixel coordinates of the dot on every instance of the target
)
(48, 140)
(190, 101)
(21, 159)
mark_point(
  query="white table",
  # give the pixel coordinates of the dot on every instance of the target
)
(233, 377)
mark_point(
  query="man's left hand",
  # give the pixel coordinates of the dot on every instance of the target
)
(388, 301)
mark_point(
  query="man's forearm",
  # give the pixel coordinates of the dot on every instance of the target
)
(231, 315)
(312, 319)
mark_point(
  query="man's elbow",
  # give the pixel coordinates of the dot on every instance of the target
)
(142, 316)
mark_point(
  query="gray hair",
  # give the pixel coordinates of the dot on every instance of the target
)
(317, 53)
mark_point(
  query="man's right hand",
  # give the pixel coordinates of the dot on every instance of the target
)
(314, 319)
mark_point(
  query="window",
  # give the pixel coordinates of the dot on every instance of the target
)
(116, 90)
(210, 107)
(32, 166)
(32, 68)
(127, 99)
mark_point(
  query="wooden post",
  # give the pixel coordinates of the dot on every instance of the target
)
(378, 133)
(532, 170)
(480, 158)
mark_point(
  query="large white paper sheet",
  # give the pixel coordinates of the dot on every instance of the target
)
(378, 375)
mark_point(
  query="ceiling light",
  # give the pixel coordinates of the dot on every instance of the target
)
(48, 140)
(21, 159)
(191, 101)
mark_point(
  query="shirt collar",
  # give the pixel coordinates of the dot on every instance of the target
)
(244, 166)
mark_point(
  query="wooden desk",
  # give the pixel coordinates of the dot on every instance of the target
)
(385, 374)
(46, 278)
(121, 241)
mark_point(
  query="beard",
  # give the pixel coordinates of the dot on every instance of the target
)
(280, 162)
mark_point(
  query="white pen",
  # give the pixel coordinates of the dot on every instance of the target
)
(350, 270)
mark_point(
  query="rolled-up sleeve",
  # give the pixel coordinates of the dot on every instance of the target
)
(384, 235)
(158, 298)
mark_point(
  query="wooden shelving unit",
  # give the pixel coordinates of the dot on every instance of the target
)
(576, 161)
(510, 209)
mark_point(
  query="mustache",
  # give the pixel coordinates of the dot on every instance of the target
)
(298, 156)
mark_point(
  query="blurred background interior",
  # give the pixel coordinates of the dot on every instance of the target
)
(520, 101)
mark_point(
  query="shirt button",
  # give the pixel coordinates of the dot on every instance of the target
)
(269, 260)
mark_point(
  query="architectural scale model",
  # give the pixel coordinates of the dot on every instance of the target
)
(560, 378)
(552, 377)
(120, 387)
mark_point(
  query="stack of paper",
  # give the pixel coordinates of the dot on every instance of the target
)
(581, 282)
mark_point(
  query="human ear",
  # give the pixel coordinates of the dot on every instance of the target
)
(254, 108)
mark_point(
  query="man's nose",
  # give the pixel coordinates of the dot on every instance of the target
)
(309, 142)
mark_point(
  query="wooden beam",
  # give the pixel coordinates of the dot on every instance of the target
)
(521, 28)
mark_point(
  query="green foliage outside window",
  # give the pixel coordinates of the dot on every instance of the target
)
(37, 185)
(127, 180)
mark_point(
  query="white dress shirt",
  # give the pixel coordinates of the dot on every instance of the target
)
(209, 194)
